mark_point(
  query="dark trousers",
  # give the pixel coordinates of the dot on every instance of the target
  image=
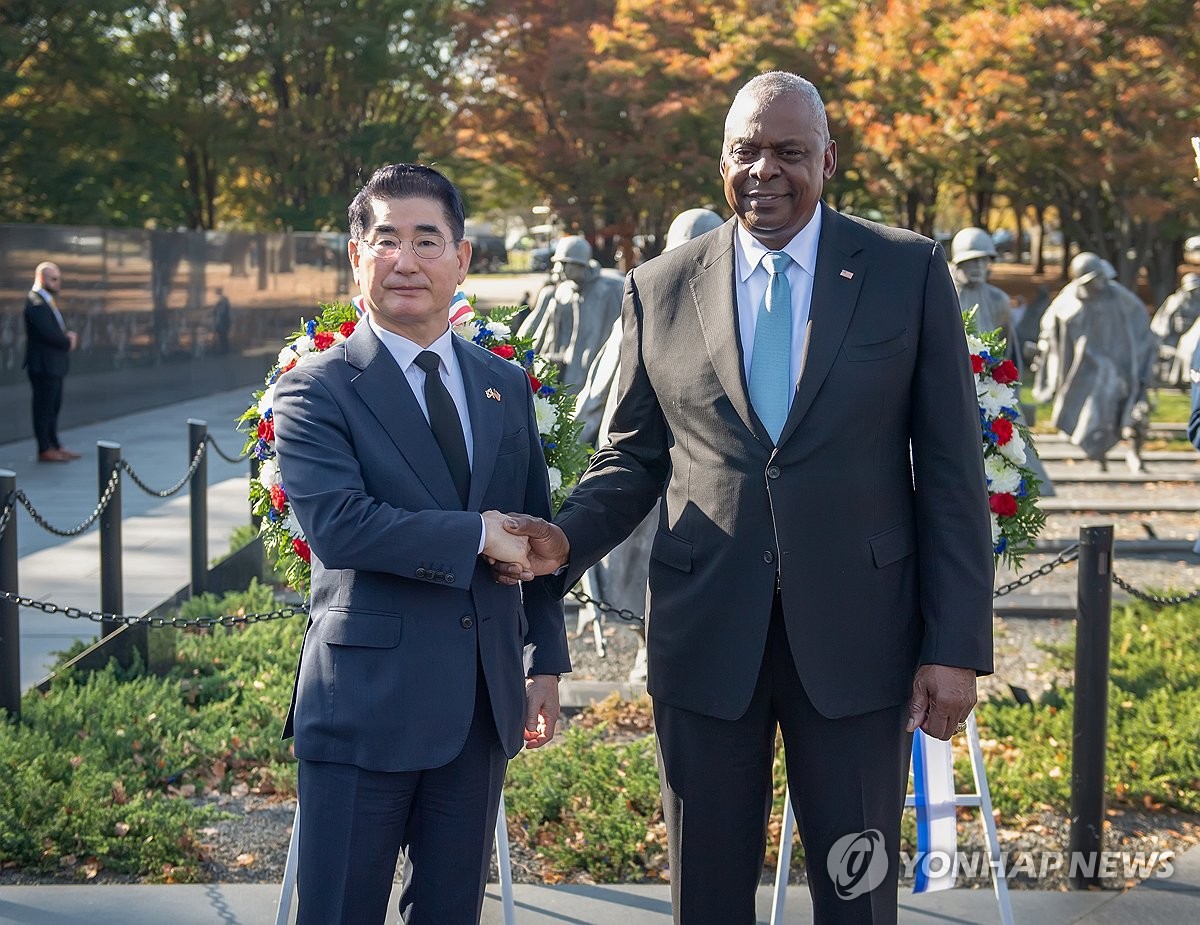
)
(846, 776)
(47, 402)
(354, 823)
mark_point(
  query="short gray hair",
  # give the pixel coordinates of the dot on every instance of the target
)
(764, 89)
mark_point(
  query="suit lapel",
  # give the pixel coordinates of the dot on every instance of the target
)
(487, 418)
(385, 391)
(714, 292)
(834, 297)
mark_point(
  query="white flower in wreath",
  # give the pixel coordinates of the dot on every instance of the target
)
(996, 532)
(543, 410)
(499, 330)
(993, 396)
(292, 525)
(974, 344)
(303, 344)
(267, 400)
(555, 479)
(1014, 450)
(1002, 475)
(268, 473)
(286, 355)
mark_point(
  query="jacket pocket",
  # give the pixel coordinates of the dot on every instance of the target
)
(876, 350)
(512, 443)
(893, 544)
(370, 629)
(673, 551)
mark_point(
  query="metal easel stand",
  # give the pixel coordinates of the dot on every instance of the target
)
(981, 799)
(503, 864)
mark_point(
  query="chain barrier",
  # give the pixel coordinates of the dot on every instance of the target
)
(178, 486)
(76, 613)
(1070, 554)
(10, 505)
(606, 608)
(225, 456)
(20, 497)
(1155, 599)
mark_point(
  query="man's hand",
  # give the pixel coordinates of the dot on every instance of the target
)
(74, 339)
(548, 550)
(541, 709)
(942, 698)
(499, 545)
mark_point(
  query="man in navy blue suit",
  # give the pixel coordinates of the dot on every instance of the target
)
(420, 676)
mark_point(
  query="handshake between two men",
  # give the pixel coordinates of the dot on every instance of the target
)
(520, 547)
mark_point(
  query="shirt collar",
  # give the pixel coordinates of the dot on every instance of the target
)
(47, 296)
(405, 351)
(802, 248)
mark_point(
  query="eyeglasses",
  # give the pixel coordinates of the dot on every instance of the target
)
(425, 246)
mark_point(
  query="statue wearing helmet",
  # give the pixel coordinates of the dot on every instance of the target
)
(1096, 361)
(573, 312)
(620, 578)
(1174, 319)
(971, 256)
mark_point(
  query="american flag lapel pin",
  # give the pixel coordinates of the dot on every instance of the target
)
(492, 394)
(847, 274)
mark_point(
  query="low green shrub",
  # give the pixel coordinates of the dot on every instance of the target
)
(98, 770)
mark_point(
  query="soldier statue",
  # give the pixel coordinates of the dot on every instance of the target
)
(574, 311)
(1174, 318)
(971, 255)
(1096, 357)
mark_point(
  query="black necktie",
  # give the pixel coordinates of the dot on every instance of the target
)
(445, 423)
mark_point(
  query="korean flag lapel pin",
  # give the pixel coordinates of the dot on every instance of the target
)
(492, 394)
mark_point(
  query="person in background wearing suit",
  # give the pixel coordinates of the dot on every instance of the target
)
(419, 676)
(48, 345)
(795, 385)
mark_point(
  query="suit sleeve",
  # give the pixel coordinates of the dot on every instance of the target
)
(44, 325)
(347, 528)
(625, 477)
(1193, 427)
(956, 565)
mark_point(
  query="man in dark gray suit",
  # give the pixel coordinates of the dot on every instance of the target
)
(420, 676)
(48, 345)
(796, 386)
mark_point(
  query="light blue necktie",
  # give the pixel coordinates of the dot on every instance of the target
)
(771, 362)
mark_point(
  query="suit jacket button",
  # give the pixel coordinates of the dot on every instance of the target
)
(768, 557)
(439, 576)
(421, 573)
(450, 578)
(772, 472)
(466, 623)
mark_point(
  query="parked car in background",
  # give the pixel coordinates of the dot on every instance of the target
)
(488, 253)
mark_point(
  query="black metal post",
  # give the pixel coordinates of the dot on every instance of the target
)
(255, 469)
(112, 569)
(1090, 737)
(198, 491)
(10, 613)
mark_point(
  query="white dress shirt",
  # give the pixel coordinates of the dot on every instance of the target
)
(405, 352)
(53, 307)
(752, 279)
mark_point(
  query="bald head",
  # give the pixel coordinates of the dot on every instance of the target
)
(47, 276)
(761, 91)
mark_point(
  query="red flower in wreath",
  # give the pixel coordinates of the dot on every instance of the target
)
(977, 364)
(1006, 372)
(278, 497)
(266, 429)
(504, 351)
(323, 340)
(301, 549)
(534, 382)
(1002, 429)
(347, 328)
(1003, 504)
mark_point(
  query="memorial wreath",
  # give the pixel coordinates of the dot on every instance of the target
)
(553, 404)
(1013, 487)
